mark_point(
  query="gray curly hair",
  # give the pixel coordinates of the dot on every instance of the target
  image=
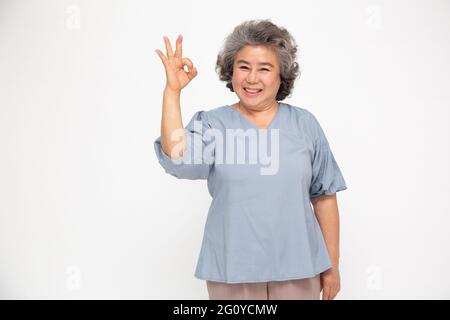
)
(266, 33)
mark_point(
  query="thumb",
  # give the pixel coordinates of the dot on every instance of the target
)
(192, 73)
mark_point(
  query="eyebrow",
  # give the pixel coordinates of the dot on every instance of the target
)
(261, 63)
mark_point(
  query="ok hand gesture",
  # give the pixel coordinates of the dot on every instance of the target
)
(176, 76)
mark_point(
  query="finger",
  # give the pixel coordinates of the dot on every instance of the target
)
(162, 56)
(326, 293)
(192, 73)
(179, 50)
(334, 292)
(168, 47)
(330, 293)
(188, 62)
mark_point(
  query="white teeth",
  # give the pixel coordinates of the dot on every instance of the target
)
(251, 91)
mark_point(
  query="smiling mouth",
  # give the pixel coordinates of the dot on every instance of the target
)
(252, 92)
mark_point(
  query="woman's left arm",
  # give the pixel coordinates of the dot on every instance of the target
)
(327, 213)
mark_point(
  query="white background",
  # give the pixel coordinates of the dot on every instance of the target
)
(86, 211)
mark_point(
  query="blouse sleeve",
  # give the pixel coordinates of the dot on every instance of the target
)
(327, 177)
(198, 156)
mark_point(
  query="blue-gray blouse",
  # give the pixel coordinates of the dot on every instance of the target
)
(260, 225)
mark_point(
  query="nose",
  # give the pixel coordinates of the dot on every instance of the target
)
(252, 77)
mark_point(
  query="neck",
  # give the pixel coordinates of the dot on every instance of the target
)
(266, 111)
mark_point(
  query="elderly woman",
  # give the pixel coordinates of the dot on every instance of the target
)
(273, 233)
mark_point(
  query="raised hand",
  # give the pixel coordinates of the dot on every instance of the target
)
(176, 76)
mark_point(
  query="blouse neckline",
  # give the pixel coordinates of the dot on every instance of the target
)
(271, 124)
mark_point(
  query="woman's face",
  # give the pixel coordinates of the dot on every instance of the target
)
(256, 67)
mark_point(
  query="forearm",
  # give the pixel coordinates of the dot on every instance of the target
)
(327, 213)
(171, 124)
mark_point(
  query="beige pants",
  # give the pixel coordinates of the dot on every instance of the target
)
(299, 289)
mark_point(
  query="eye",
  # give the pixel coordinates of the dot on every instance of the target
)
(244, 67)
